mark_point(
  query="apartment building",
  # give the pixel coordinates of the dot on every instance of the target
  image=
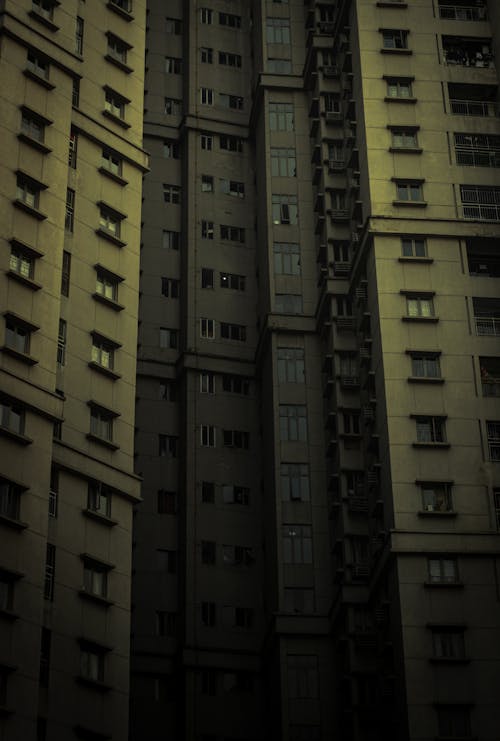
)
(70, 187)
(317, 552)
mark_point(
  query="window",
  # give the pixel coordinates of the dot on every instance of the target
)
(166, 560)
(103, 352)
(244, 617)
(233, 332)
(404, 138)
(232, 494)
(208, 551)
(207, 382)
(65, 273)
(277, 30)
(167, 390)
(45, 645)
(171, 193)
(419, 306)
(12, 417)
(53, 492)
(207, 184)
(6, 593)
(32, 125)
(92, 663)
(436, 497)
(443, 570)
(281, 117)
(431, 429)
(231, 101)
(44, 8)
(235, 384)
(232, 188)
(399, 88)
(231, 143)
(95, 578)
(232, 233)
(10, 496)
(17, 334)
(168, 446)
(37, 65)
(207, 329)
(448, 643)
(496, 504)
(111, 162)
(170, 287)
(236, 439)
(229, 59)
(61, 342)
(302, 674)
(28, 191)
(101, 423)
(114, 104)
(75, 93)
(425, 365)
(208, 492)
(206, 55)
(286, 258)
(230, 20)
(22, 262)
(69, 219)
(207, 436)
(297, 543)
(99, 498)
(411, 192)
(453, 721)
(166, 623)
(394, 39)
(106, 286)
(207, 141)
(171, 149)
(110, 222)
(173, 25)
(173, 65)
(166, 502)
(493, 434)
(287, 303)
(168, 338)
(231, 280)
(173, 107)
(79, 35)
(413, 247)
(283, 162)
(206, 96)
(237, 555)
(290, 365)
(490, 376)
(207, 229)
(170, 240)
(294, 479)
(284, 208)
(208, 614)
(279, 66)
(207, 278)
(299, 600)
(293, 422)
(333, 105)
(50, 569)
(125, 5)
(206, 15)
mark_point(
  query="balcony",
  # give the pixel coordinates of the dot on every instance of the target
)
(473, 108)
(467, 51)
(487, 325)
(477, 150)
(490, 376)
(463, 12)
(480, 203)
(473, 100)
(483, 257)
(487, 316)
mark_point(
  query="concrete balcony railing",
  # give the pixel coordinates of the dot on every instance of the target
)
(474, 108)
(487, 326)
(463, 13)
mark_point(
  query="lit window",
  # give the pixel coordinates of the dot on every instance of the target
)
(419, 306)
(21, 262)
(436, 497)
